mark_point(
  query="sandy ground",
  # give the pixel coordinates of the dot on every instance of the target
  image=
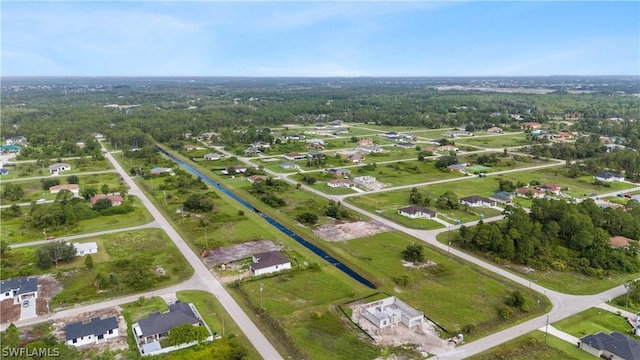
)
(118, 343)
(236, 252)
(341, 231)
(8, 311)
(426, 337)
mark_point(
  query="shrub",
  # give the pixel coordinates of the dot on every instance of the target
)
(413, 253)
(469, 328)
(307, 218)
(505, 313)
(404, 280)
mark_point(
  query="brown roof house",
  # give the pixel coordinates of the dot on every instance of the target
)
(116, 199)
(620, 242)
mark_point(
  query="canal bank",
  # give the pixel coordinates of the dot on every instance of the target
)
(282, 228)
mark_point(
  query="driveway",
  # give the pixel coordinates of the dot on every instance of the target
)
(29, 311)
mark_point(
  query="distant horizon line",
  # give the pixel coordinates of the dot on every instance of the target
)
(315, 77)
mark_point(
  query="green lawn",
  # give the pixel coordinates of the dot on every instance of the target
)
(592, 321)
(16, 231)
(534, 346)
(33, 188)
(421, 224)
(32, 169)
(495, 141)
(78, 282)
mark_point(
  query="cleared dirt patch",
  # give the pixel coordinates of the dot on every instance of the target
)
(8, 311)
(342, 231)
(236, 252)
(426, 337)
(48, 287)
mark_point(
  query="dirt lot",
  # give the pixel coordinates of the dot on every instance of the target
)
(118, 343)
(426, 337)
(48, 287)
(341, 231)
(8, 311)
(236, 252)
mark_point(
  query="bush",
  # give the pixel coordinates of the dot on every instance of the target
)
(413, 253)
(505, 313)
(469, 328)
(307, 218)
(404, 280)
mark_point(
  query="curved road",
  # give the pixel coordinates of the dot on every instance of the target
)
(563, 305)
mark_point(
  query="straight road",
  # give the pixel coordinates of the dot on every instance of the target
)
(61, 175)
(205, 280)
(150, 225)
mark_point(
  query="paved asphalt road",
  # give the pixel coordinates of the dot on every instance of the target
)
(59, 176)
(204, 278)
(564, 305)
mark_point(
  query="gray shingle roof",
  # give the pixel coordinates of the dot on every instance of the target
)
(414, 209)
(475, 199)
(23, 284)
(617, 343)
(268, 259)
(158, 323)
(96, 327)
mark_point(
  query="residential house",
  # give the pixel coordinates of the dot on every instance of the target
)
(615, 345)
(416, 212)
(609, 177)
(531, 124)
(391, 312)
(160, 170)
(116, 199)
(456, 133)
(551, 188)
(294, 137)
(527, 191)
(254, 178)
(11, 148)
(634, 321)
(605, 139)
(462, 169)
(477, 201)
(364, 180)
(269, 262)
(4, 171)
(315, 155)
(503, 197)
(334, 183)
(238, 169)
(289, 165)
(157, 326)
(97, 135)
(408, 137)
(356, 158)
(294, 156)
(252, 151)
(189, 147)
(86, 248)
(405, 145)
(59, 167)
(74, 188)
(315, 142)
(340, 172)
(80, 144)
(97, 330)
(16, 140)
(212, 156)
(495, 130)
(260, 144)
(365, 142)
(447, 148)
(620, 242)
(337, 123)
(341, 131)
(370, 149)
(19, 289)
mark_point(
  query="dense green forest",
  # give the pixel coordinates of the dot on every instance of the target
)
(561, 236)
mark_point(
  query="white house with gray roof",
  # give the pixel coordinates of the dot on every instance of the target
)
(269, 262)
(58, 168)
(95, 331)
(19, 289)
(391, 312)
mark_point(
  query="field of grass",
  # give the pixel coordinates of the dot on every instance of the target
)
(458, 293)
(78, 283)
(508, 163)
(15, 230)
(32, 169)
(495, 141)
(33, 188)
(534, 346)
(421, 224)
(565, 282)
(405, 173)
(592, 321)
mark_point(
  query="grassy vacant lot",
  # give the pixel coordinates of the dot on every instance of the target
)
(31, 169)
(592, 321)
(33, 188)
(506, 163)
(495, 141)
(15, 230)
(452, 292)
(565, 282)
(534, 346)
(405, 172)
(78, 283)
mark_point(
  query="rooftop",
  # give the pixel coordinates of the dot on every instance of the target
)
(96, 326)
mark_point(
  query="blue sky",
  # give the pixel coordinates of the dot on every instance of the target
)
(330, 38)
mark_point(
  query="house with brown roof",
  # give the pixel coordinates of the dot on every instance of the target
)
(254, 178)
(552, 188)
(74, 188)
(495, 130)
(416, 212)
(620, 242)
(457, 168)
(527, 191)
(116, 199)
(531, 125)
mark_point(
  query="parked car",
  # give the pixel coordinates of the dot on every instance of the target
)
(51, 237)
(41, 201)
(25, 303)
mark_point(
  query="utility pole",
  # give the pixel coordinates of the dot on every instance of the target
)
(261, 286)
(222, 324)
(546, 330)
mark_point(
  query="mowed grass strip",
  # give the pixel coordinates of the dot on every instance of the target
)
(591, 321)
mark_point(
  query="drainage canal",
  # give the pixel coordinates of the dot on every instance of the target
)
(273, 222)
